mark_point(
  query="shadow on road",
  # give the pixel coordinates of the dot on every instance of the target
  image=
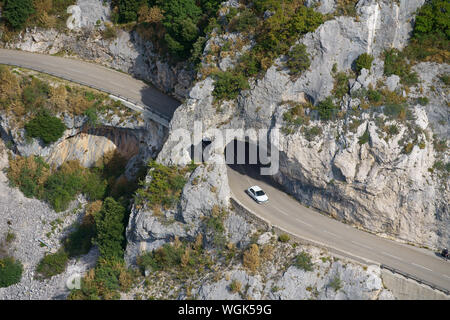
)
(251, 170)
(159, 101)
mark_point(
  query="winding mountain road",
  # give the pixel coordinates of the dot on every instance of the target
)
(282, 210)
(107, 80)
(287, 213)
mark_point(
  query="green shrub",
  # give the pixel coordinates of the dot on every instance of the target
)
(62, 188)
(395, 110)
(336, 283)
(341, 87)
(29, 175)
(10, 271)
(374, 96)
(165, 186)
(364, 138)
(52, 264)
(303, 262)
(79, 242)
(17, 12)
(166, 257)
(298, 60)
(284, 238)
(327, 109)
(311, 133)
(423, 101)
(46, 127)
(228, 85)
(445, 78)
(109, 222)
(364, 61)
(245, 21)
(395, 63)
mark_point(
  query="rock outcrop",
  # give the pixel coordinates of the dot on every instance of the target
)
(375, 185)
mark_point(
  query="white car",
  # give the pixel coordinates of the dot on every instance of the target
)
(257, 194)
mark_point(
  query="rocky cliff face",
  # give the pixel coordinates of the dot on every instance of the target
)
(126, 51)
(374, 185)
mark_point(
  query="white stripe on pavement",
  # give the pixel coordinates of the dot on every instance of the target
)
(418, 265)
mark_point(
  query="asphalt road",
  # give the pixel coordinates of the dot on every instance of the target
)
(108, 80)
(281, 210)
(287, 213)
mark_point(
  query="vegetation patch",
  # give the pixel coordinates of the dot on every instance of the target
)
(228, 85)
(165, 186)
(395, 63)
(364, 61)
(303, 261)
(431, 35)
(52, 264)
(10, 271)
(182, 257)
(45, 127)
(298, 60)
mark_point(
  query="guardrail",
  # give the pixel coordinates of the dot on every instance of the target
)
(154, 115)
(410, 276)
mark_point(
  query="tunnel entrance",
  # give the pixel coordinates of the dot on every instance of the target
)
(248, 158)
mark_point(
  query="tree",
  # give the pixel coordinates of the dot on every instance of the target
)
(16, 12)
(298, 60)
(110, 229)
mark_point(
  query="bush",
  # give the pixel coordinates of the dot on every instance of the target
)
(284, 238)
(395, 63)
(17, 12)
(10, 271)
(298, 60)
(423, 101)
(52, 264)
(62, 187)
(45, 127)
(251, 259)
(245, 21)
(235, 286)
(364, 138)
(364, 61)
(336, 283)
(326, 109)
(395, 111)
(29, 175)
(341, 87)
(374, 96)
(228, 85)
(79, 242)
(311, 133)
(303, 262)
(110, 229)
(165, 187)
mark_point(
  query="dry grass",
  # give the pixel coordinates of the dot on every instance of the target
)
(251, 258)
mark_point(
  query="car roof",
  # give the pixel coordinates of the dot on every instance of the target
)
(256, 188)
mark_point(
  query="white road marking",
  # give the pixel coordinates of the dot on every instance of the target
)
(303, 222)
(446, 276)
(361, 245)
(390, 255)
(418, 265)
(283, 212)
(333, 234)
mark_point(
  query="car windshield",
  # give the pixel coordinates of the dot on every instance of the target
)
(260, 193)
